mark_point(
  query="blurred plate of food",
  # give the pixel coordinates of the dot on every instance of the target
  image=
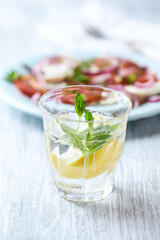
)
(22, 84)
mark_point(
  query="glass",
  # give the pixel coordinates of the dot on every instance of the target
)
(83, 161)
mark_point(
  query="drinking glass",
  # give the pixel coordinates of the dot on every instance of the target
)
(84, 154)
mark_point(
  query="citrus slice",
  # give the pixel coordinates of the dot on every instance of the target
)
(71, 163)
(117, 151)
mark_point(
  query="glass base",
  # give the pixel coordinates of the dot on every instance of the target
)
(79, 194)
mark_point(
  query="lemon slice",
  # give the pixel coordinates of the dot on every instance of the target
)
(71, 163)
(117, 151)
(73, 157)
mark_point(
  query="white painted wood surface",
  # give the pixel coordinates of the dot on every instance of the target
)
(29, 207)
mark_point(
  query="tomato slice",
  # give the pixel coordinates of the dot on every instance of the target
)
(28, 85)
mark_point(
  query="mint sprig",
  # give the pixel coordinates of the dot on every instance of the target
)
(84, 141)
(91, 139)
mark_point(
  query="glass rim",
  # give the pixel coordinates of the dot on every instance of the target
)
(129, 107)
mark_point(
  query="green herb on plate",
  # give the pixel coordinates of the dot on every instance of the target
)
(11, 76)
(78, 76)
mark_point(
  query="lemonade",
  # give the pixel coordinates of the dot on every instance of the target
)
(84, 141)
(71, 166)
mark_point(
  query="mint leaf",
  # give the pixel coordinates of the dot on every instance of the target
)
(84, 141)
(88, 136)
(100, 130)
(95, 147)
(113, 127)
(79, 104)
(77, 143)
(67, 129)
(96, 131)
(101, 137)
(89, 117)
(95, 143)
(65, 137)
(72, 138)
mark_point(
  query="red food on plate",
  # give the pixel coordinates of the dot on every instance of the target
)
(138, 82)
(29, 85)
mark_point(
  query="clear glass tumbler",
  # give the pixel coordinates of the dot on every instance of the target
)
(84, 153)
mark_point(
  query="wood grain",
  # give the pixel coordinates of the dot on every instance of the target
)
(30, 209)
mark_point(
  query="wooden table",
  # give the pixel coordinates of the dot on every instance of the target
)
(29, 207)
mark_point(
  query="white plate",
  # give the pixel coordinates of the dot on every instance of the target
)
(11, 95)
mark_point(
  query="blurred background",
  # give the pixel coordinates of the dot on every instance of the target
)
(38, 27)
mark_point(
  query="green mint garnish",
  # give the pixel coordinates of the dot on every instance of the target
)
(11, 76)
(86, 142)
(91, 139)
(89, 117)
(88, 136)
(67, 129)
(77, 143)
(79, 104)
(113, 127)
